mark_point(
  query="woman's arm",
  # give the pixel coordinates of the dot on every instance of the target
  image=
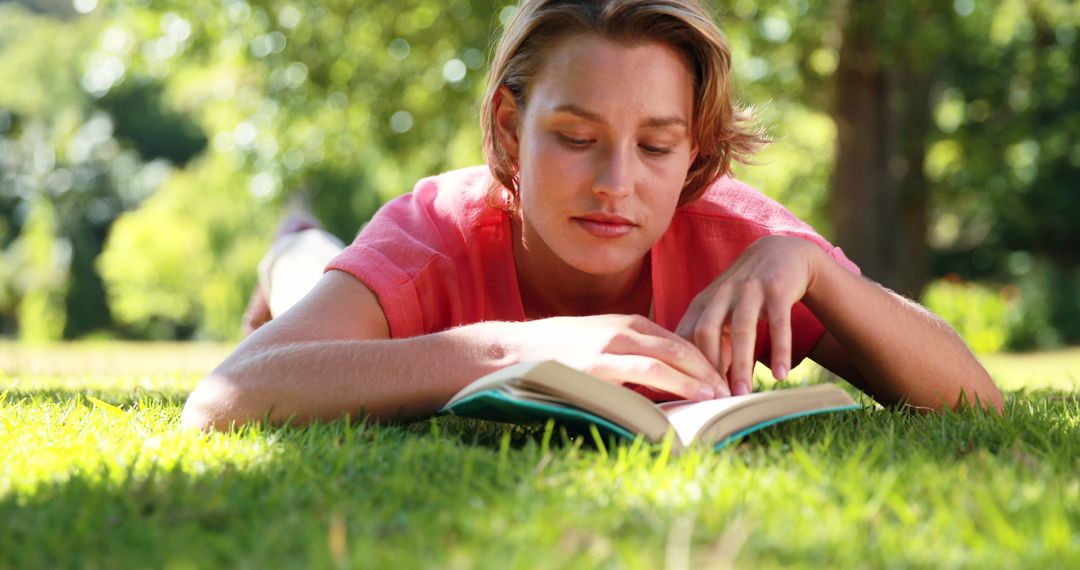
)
(331, 355)
(892, 347)
(889, 346)
(317, 361)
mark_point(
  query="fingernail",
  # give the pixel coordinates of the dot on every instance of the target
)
(780, 372)
(745, 388)
(706, 392)
(738, 388)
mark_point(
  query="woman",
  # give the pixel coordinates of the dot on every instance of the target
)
(604, 232)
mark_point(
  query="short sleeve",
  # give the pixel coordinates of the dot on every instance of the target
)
(403, 257)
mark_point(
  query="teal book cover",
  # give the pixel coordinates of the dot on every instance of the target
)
(498, 405)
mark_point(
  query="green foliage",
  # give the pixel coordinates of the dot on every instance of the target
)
(348, 104)
(45, 72)
(784, 171)
(1030, 314)
(58, 152)
(141, 120)
(344, 105)
(977, 312)
(306, 96)
(1005, 156)
(186, 259)
(95, 473)
(162, 285)
(43, 278)
(1048, 305)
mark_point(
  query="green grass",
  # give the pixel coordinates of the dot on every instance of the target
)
(94, 474)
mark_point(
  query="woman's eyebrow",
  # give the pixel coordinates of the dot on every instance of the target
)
(588, 115)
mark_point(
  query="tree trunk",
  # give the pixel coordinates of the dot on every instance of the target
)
(914, 193)
(882, 112)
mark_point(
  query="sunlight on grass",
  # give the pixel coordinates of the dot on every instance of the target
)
(67, 434)
(112, 482)
(1059, 369)
(112, 358)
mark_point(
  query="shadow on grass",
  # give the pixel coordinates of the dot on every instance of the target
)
(409, 491)
(275, 513)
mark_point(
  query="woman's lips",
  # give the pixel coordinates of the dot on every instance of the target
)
(605, 226)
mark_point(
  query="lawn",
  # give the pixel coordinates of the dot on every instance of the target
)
(94, 474)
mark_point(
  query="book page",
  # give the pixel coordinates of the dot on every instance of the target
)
(714, 420)
(688, 416)
(555, 383)
(616, 403)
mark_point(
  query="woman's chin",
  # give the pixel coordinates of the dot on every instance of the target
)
(603, 266)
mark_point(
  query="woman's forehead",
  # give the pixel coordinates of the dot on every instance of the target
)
(595, 76)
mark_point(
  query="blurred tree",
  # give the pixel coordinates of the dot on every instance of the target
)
(1004, 158)
(43, 279)
(345, 105)
(184, 261)
(59, 153)
(784, 56)
(226, 111)
(888, 58)
(943, 163)
(867, 68)
(140, 119)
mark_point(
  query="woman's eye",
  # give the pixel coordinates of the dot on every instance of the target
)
(656, 150)
(573, 141)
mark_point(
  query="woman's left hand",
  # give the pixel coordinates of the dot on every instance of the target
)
(764, 282)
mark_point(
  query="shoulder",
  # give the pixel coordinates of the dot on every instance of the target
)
(732, 214)
(415, 254)
(457, 198)
(731, 202)
(435, 218)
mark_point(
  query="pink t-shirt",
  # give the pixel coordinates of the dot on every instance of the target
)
(440, 257)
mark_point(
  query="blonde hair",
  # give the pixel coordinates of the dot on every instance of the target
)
(722, 131)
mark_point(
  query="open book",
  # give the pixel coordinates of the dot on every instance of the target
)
(537, 391)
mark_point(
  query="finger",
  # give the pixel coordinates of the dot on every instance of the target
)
(710, 338)
(706, 338)
(725, 352)
(685, 330)
(646, 326)
(707, 330)
(646, 371)
(676, 352)
(744, 321)
(780, 338)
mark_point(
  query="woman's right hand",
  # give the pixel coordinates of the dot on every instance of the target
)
(620, 349)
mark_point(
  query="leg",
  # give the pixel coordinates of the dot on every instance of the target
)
(295, 262)
(294, 265)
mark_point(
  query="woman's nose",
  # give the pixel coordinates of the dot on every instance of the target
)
(614, 178)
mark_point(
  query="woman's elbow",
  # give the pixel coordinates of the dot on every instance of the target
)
(979, 393)
(986, 397)
(218, 403)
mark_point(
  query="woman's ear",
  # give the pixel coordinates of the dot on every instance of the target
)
(507, 121)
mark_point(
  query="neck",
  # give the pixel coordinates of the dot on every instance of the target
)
(549, 287)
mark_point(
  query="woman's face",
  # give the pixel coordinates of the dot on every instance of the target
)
(603, 146)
